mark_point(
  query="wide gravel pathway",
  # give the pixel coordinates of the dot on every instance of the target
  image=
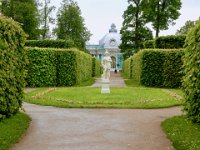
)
(96, 129)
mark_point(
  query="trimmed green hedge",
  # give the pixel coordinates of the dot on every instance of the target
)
(166, 42)
(149, 44)
(58, 67)
(50, 43)
(170, 42)
(96, 67)
(127, 68)
(42, 67)
(13, 60)
(156, 67)
(191, 80)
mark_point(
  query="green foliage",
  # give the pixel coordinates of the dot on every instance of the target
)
(127, 68)
(155, 67)
(184, 29)
(134, 32)
(183, 134)
(191, 80)
(12, 66)
(41, 68)
(25, 12)
(152, 67)
(12, 129)
(70, 24)
(46, 18)
(58, 67)
(96, 67)
(170, 42)
(149, 44)
(50, 43)
(73, 67)
(161, 13)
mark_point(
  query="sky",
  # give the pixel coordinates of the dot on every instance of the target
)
(100, 14)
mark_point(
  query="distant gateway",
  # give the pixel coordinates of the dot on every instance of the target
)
(111, 42)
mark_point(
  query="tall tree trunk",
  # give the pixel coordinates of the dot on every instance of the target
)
(158, 20)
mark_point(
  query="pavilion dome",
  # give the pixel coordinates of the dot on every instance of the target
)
(112, 39)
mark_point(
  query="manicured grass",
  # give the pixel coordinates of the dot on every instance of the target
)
(87, 83)
(183, 134)
(90, 97)
(12, 129)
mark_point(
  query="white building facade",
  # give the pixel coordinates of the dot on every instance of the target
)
(110, 42)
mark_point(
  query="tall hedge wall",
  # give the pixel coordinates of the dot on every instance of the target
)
(156, 67)
(50, 43)
(12, 66)
(127, 68)
(58, 67)
(42, 67)
(96, 67)
(166, 42)
(170, 42)
(191, 80)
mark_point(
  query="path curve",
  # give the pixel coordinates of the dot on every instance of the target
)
(95, 129)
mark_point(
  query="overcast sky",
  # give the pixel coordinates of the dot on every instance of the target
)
(100, 14)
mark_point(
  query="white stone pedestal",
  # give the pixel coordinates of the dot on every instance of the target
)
(105, 86)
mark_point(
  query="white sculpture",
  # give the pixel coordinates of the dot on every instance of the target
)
(106, 63)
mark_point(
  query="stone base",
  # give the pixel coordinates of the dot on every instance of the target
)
(105, 87)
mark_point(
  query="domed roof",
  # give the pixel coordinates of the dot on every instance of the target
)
(112, 39)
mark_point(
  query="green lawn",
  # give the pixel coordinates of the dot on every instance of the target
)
(183, 134)
(89, 97)
(12, 129)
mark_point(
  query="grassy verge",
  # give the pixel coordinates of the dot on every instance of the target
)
(88, 97)
(12, 129)
(183, 134)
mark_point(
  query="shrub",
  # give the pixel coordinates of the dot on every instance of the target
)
(42, 67)
(96, 67)
(170, 42)
(149, 44)
(12, 66)
(155, 67)
(58, 67)
(50, 43)
(127, 68)
(191, 80)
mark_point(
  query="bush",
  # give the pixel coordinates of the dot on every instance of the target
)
(191, 80)
(170, 42)
(149, 44)
(155, 67)
(127, 68)
(41, 68)
(96, 67)
(50, 43)
(12, 66)
(58, 67)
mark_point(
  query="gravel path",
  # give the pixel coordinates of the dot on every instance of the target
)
(95, 129)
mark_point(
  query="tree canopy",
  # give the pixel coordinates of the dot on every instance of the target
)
(161, 13)
(70, 24)
(25, 12)
(184, 29)
(45, 18)
(134, 32)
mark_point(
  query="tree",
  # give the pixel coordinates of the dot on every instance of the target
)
(134, 32)
(162, 13)
(184, 29)
(70, 24)
(25, 12)
(46, 18)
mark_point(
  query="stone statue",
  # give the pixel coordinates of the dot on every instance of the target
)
(106, 63)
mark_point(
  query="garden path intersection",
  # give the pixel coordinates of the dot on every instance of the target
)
(95, 129)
